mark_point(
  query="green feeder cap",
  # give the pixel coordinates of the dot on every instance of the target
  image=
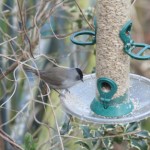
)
(105, 105)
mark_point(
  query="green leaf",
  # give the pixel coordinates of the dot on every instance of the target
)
(86, 131)
(66, 127)
(143, 134)
(118, 140)
(107, 143)
(132, 127)
(139, 144)
(96, 133)
(79, 23)
(73, 9)
(94, 142)
(29, 143)
(120, 129)
(109, 127)
(83, 145)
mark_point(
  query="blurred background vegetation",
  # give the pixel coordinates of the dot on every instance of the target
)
(37, 33)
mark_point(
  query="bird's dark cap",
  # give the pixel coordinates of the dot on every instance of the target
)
(80, 73)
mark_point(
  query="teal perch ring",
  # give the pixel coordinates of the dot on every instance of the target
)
(130, 46)
(83, 43)
(84, 33)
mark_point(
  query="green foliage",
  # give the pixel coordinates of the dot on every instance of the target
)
(100, 137)
(107, 143)
(83, 145)
(88, 14)
(143, 134)
(132, 127)
(86, 131)
(118, 140)
(104, 136)
(140, 140)
(29, 142)
(139, 144)
(66, 128)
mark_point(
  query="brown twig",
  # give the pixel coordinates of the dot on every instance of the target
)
(24, 29)
(7, 138)
(61, 35)
(84, 15)
(102, 137)
(133, 1)
(10, 69)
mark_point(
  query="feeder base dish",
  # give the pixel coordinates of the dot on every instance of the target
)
(77, 102)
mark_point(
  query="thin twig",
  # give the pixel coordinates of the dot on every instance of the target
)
(17, 114)
(61, 35)
(84, 16)
(10, 69)
(7, 138)
(24, 29)
(133, 1)
(8, 40)
(61, 142)
(103, 137)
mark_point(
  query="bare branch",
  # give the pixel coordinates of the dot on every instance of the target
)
(7, 138)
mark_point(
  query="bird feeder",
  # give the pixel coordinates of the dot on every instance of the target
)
(112, 95)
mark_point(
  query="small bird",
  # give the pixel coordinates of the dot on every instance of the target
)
(59, 77)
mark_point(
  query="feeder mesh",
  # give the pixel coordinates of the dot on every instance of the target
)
(111, 61)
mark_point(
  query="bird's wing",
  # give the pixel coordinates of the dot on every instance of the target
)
(54, 76)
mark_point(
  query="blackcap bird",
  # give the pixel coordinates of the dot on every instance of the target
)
(59, 77)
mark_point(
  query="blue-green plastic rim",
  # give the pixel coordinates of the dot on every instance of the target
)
(126, 38)
(130, 45)
(117, 107)
(85, 32)
(113, 110)
(138, 55)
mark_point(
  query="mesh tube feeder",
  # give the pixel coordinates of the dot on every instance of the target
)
(112, 64)
(112, 95)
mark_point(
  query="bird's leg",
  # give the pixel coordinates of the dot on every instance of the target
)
(67, 90)
(57, 91)
(60, 94)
